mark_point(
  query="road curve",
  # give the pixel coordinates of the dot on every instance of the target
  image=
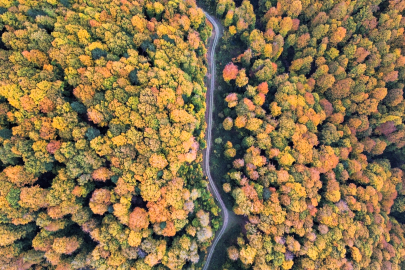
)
(210, 105)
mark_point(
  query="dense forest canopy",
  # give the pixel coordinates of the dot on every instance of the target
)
(102, 108)
(313, 131)
(102, 125)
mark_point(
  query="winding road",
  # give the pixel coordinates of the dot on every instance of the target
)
(206, 165)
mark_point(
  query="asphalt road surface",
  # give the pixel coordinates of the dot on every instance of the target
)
(210, 105)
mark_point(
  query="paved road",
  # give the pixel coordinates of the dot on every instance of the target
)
(210, 105)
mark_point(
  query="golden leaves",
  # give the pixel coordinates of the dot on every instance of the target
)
(158, 161)
(19, 176)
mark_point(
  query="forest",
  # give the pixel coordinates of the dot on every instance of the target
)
(312, 140)
(102, 132)
(102, 127)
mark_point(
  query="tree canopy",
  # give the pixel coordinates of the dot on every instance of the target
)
(101, 135)
(313, 132)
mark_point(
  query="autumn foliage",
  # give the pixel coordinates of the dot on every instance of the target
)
(313, 143)
(102, 117)
(230, 72)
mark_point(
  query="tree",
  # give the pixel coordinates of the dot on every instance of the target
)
(241, 79)
(100, 200)
(247, 255)
(230, 153)
(341, 89)
(228, 123)
(33, 197)
(230, 72)
(19, 176)
(233, 253)
(138, 219)
(66, 245)
(102, 174)
(338, 35)
(158, 161)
